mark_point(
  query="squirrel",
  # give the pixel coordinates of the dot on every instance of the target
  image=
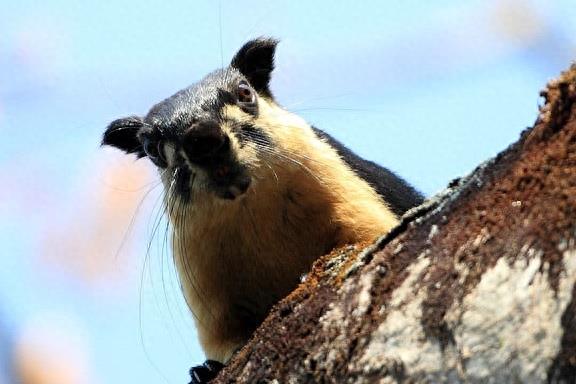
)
(254, 195)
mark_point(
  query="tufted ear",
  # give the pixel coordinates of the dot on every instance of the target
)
(123, 134)
(255, 60)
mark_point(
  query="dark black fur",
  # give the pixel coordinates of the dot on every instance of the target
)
(394, 190)
(206, 372)
(123, 134)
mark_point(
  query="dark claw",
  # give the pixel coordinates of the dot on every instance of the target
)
(213, 365)
(202, 374)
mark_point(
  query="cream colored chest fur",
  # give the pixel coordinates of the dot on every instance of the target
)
(237, 258)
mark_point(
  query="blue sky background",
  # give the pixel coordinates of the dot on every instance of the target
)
(428, 89)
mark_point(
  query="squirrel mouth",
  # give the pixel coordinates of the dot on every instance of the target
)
(230, 183)
(227, 181)
(235, 191)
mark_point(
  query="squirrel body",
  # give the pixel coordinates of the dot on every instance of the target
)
(254, 194)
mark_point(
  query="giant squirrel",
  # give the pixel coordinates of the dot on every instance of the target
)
(254, 195)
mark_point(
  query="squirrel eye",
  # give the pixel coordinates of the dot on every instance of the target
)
(150, 149)
(245, 94)
(154, 151)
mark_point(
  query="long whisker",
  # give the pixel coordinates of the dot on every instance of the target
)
(177, 211)
(300, 160)
(133, 220)
(294, 161)
(145, 267)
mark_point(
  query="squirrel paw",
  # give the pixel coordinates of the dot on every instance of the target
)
(202, 374)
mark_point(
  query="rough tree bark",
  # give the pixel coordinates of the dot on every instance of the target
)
(476, 285)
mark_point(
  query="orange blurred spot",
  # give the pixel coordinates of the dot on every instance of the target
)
(519, 21)
(52, 349)
(96, 242)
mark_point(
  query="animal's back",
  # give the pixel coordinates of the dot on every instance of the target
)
(394, 190)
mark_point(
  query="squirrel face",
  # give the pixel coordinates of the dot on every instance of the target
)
(208, 138)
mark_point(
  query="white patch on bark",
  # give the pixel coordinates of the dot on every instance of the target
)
(364, 296)
(334, 315)
(401, 339)
(433, 232)
(246, 371)
(508, 328)
(333, 322)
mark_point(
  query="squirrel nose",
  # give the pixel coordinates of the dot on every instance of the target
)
(205, 140)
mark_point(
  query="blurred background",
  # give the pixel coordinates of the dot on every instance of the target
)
(87, 288)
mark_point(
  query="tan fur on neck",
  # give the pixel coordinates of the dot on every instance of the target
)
(237, 258)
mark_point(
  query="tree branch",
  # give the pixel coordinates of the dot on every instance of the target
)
(476, 285)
